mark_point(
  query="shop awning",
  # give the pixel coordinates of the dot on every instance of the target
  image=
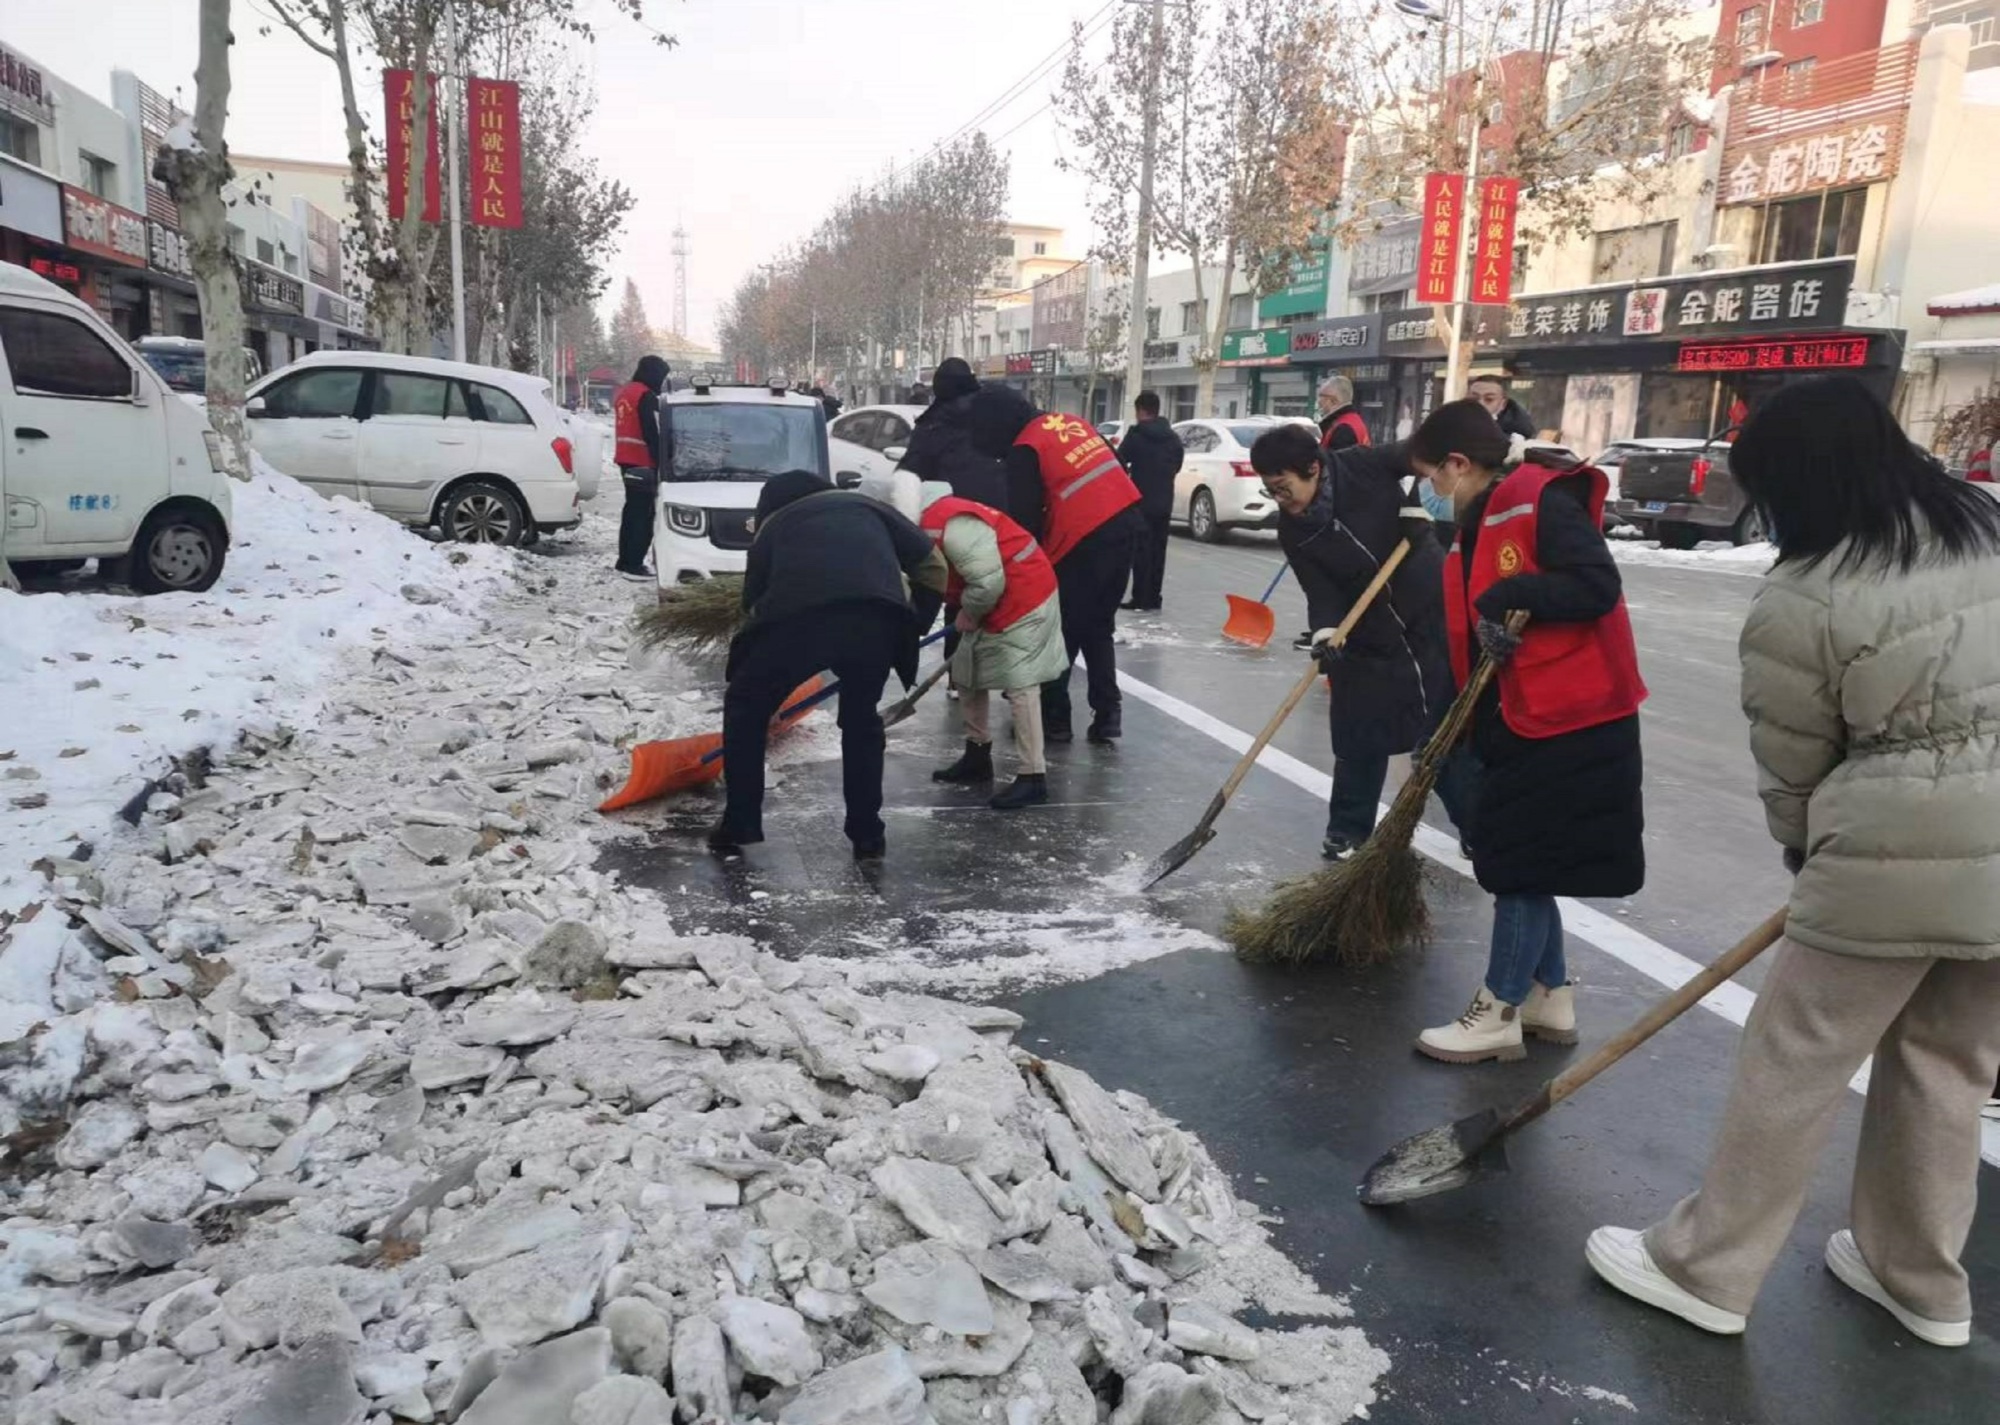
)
(1972, 302)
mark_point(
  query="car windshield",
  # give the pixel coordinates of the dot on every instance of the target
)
(182, 370)
(736, 441)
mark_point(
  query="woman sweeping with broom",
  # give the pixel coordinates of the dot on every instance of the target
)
(1555, 808)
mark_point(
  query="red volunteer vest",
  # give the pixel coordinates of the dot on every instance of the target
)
(1031, 579)
(1350, 422)
(1565, 676)
(1083, 485)
(631, 448)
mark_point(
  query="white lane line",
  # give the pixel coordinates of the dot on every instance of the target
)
(1648, 956)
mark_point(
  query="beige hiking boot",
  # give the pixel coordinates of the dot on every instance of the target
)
(1489, 1029)
(1550, 1014)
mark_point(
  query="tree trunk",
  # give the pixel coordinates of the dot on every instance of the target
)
(412, 268)
(194, 174)
(1204, 397)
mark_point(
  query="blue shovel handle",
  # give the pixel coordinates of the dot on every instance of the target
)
(814, 699)
(1275, 578)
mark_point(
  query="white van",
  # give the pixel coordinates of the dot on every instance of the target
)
(98, 457)
(481, 453)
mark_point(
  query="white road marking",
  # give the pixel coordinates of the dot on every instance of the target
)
(1635, 948)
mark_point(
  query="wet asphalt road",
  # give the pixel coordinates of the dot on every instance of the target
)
(1296, 1081)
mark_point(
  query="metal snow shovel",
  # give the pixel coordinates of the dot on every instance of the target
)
(907, 704)
(1253, 622)
(1441, 1159)
(1183, 851)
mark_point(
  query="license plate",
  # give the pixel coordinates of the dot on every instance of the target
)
(1654, 507)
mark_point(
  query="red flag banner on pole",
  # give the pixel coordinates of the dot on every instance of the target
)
(495, 121)
(1493, 266)
(1440, 247)
(400, 104)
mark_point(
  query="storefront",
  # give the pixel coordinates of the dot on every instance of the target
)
(109, 245)
(31, 231)
(1415, 357)
(172, 306)
(1681, 356)
(274, 320)
(338, 319)
(1261, 354)
(1350, 347)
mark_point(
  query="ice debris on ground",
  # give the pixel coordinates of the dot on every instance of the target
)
(105, 690)
(276, 1152)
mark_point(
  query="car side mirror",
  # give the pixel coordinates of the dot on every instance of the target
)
(848, 480)
(254, 407)
(895, 452)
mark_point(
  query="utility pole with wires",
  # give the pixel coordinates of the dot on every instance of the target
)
(1142, 242)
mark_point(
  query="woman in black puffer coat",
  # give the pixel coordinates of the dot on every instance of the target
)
(941, 445)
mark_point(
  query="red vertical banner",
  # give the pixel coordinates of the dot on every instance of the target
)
(1493, 260)
(495, 150)
(1440, 246)
(400, 104)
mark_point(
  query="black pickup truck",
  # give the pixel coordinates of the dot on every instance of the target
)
(1682, 497)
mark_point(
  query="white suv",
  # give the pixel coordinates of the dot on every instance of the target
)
(481, 453)
(98, 458)
(727, 441)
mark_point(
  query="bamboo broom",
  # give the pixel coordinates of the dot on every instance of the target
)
(694, 618)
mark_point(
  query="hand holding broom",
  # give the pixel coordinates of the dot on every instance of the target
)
(1370, 906)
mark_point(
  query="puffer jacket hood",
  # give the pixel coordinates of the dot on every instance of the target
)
(1874, 707)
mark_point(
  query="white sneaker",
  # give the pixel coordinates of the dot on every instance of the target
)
(1844, 1260)
(1550, 1013)
(1619, 1255)
(1489, 1029)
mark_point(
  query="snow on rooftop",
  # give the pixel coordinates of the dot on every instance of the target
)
(1972, 299)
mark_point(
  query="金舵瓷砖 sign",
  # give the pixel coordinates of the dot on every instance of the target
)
(1799, 296)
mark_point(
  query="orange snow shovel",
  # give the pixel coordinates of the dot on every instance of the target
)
(1251, 621)
(676, 764)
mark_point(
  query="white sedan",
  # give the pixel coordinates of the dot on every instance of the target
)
(866, 445)
(1217, 491)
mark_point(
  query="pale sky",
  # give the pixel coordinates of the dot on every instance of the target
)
(746, 133)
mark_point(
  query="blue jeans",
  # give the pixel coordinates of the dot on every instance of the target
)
(1527, 947)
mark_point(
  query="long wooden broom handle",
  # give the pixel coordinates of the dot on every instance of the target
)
(1650, 1023)
(1306, 680)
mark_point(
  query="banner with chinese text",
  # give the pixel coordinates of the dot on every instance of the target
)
(1440, 247)
(1836, 125)
(399, 93)
(494, 121)
(1493, 261)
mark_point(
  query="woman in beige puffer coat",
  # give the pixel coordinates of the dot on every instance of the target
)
(1871, 678)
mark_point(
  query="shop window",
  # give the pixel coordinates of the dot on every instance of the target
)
(100, 175)
(1629, 254)
(20, 139)
(1807, 12)
(53, 355)
(1819, 225)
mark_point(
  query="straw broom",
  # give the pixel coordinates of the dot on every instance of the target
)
(1370, 907)
(694, 618)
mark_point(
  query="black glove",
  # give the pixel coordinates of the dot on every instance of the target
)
(1327, 652)
(1496, 640)
(1795, 860)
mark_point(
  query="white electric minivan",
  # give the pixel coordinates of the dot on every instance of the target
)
(99, 459)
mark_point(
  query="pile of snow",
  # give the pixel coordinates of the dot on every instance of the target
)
(104, 690)
(346, 1087)
(1723, 557)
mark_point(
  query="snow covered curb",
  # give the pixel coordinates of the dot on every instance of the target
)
(1753, 560)
(104, 690)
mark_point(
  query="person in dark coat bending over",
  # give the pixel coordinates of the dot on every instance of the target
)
(1555, 738)
(1340, 515)
(1151, 454)
(835, 581)
(1066, 488)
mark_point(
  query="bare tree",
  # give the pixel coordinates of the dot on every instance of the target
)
(193, 163)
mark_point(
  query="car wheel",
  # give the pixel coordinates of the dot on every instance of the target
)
(178, 551)
(1202, 523)
(1676, 535)
(483, 513)
(1749, 527)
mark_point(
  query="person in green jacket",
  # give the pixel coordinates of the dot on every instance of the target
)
(1011, 639)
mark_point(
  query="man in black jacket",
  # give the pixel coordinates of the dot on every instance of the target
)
(824, 587)
(1152, 455)
(941, 444)
(1513, 417)
(1341, 514)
